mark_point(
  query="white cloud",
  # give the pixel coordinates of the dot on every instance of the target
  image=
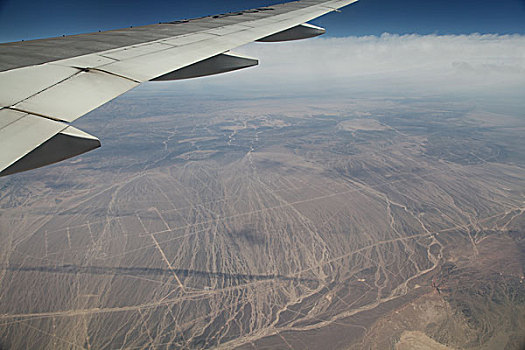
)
(389, 63)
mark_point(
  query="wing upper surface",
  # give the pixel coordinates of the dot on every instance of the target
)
(46, 84)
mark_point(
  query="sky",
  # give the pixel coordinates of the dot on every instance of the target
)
(24, 20)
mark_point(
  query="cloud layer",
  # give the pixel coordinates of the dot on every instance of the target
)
(386, 64)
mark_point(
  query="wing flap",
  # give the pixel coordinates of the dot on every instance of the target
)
(146, 67)
(28, 81)
(77, 95)
(152, 65)
(24, 133)
(65, 144)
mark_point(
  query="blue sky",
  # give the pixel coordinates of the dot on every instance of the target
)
(22, 19)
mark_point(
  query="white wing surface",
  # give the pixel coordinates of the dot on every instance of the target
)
(47, 84)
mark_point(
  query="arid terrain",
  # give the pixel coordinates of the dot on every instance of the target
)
(275, 223)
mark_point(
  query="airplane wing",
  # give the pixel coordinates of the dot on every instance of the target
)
(46, 84)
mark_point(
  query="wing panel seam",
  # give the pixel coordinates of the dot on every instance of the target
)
(38, 115)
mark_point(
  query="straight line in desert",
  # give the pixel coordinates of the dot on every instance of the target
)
(162, 253)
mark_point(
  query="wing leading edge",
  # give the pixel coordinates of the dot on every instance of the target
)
(47, 84)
